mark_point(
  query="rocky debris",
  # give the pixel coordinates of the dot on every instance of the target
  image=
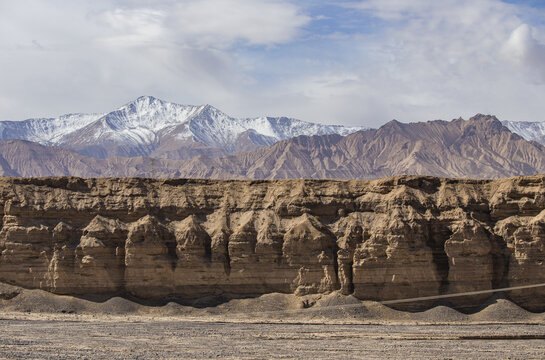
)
(8, 292)
(386, 239)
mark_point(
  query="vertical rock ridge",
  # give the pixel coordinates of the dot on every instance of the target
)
(469, 252)
(99, 254)
(438, 234)
(310, 249)
(220, 242)
(347, 244)
(148, 246)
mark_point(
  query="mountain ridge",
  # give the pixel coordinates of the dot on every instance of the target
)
(153, 127)
(480, 147)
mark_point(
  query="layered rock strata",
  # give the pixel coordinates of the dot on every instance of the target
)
(394, 238)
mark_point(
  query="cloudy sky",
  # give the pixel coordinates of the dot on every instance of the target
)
(354, 62)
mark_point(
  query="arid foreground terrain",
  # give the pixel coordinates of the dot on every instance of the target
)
(39, 325)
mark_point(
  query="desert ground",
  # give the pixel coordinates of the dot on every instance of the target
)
(38, 325)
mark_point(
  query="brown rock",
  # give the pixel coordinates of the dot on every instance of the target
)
(100, 255)
(25, 252)
(150, 259)
(525, 237)
(345, 256)
(386, 239)
(310, 249)
(194, 274)
(395, 262)
(470, 262)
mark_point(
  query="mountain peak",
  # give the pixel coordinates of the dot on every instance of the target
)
(486, 122)
(392, 124)
(150, 126)
(145, 100)
(483, 117)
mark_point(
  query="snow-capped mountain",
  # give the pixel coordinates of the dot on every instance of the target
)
(152, 127)
(45, 130)
(476, 148)
(531, 131)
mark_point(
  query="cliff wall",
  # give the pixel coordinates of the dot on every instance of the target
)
(393, 238)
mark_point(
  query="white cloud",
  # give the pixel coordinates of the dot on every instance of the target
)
(206, 23)
(411, 60)
(395, 9)
(222, 22)
(130, 27)
(431, 60)
(524, 50)
(63, 56)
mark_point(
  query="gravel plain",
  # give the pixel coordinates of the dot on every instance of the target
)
(70, 338)
(38, 325)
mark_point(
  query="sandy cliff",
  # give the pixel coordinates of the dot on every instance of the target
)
(392, 238)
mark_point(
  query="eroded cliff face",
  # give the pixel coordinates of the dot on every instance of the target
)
(393, 238)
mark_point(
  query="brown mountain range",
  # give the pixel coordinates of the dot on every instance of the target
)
(480, 147)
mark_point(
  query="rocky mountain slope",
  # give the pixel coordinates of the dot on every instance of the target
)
(24, 158)
(477, 148)
(152, 127)
(480, 147)
(393, 238)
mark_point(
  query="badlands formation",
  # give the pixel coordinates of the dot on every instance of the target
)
(387, 239)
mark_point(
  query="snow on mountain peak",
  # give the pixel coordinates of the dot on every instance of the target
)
(141, 125)
(149, 113)
(531, 131)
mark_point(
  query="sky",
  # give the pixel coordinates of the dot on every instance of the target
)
(360, 62)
